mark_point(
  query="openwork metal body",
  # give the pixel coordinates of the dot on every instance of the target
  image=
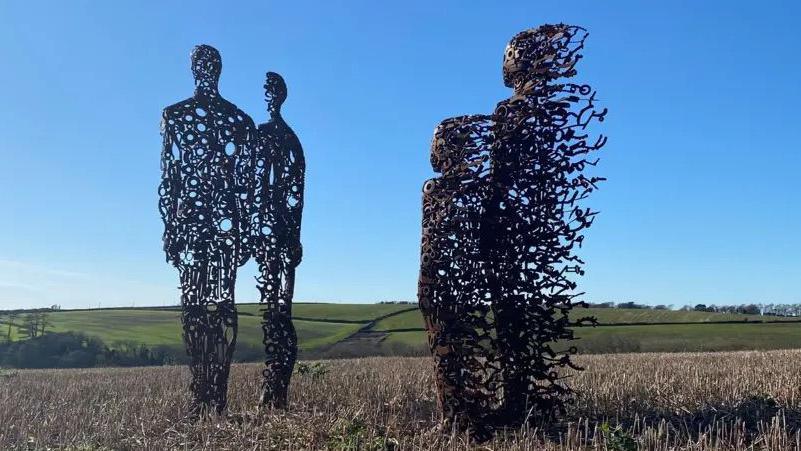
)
(278, 208)
(208, 149)
(500, 230)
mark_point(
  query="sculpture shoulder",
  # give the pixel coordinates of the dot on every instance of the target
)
(280, 131)
(266, 128)
(246, 119)
(233, 115)
(468, 120)
(292, 140)
(502, 105)
(197, 107)
(517, 102)
(173, 115)
(179, 108)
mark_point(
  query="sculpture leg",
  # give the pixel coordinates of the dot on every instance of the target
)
(446, 360)
(513, 343)
(210, 329)
(280, 338)
(289, 334)
(460, 380)
(448, 374)
(281, 354)
(461, 362)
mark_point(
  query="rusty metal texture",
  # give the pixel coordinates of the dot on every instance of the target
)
(277, 211)
(207, 155)
(501, 225)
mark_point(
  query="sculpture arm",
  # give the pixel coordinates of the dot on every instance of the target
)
(426, 285)
(170, 192)
(245, 186)
(296, 195)
(261, 223)
(288, 197)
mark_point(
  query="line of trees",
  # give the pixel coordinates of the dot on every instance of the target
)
(745, 309)
(28, 325)
(77, 350)
(781, 309)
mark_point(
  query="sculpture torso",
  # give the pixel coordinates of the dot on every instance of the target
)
(208, 143)
(280, 167)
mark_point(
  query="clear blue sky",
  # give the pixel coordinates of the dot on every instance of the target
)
(702, 202)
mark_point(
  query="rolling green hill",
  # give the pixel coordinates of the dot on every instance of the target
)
(153, 327)
(161, 327)
(334, 312)
(652, 338)
(413, 320)
(362, 329)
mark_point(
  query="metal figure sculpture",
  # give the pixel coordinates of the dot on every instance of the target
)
(208, 148)
(278, 206)
(452, 269)
(499, 238)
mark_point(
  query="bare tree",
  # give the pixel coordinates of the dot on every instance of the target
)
(12, 317)
(30, 325)
(44, 322)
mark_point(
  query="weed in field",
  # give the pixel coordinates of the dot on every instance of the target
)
(315, 370)
(352, 435)
(617, 439)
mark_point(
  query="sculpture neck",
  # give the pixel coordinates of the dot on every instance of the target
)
(527, 87)
(207, 91)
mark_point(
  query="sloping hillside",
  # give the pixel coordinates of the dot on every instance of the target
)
(397, 329)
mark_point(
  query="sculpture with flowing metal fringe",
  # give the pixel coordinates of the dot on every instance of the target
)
(500, 231)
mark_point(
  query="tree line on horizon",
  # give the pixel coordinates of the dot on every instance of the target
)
(744, 309)
(78, 350)
(775, 309)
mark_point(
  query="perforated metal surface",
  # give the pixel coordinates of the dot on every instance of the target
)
(208, 145)
(278, 209)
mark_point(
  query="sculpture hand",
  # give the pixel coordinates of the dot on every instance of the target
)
(295, 254)
(172, 249)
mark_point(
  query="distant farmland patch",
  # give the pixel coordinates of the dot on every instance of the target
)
(397, 329)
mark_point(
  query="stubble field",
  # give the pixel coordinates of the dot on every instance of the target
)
(627, 401)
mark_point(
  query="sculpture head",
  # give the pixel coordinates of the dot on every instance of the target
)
(274, 92)
(206, 67)
(540, 55)
(458, 141)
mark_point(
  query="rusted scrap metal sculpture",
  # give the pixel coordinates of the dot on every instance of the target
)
(452, 270)
(278, 207)
(208, 148)
(500, 230)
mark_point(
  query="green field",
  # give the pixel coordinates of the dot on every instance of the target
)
(154, 327)
(157, 327)
(689, 337)
(413, 319)
(397, 329)
(657, 338)
(335, 312)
